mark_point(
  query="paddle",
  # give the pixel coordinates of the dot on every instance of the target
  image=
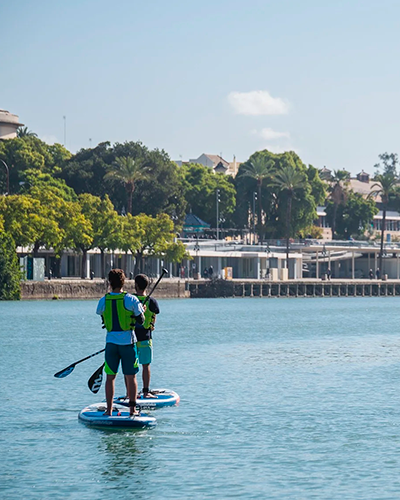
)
(94, 383)
(66, 371)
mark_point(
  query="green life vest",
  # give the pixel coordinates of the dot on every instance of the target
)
(116, 317)
(149, 317)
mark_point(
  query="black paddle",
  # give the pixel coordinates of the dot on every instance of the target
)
(94, 383)
(70, 368)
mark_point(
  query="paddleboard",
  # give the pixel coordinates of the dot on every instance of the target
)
(161, 398)
(93, 415)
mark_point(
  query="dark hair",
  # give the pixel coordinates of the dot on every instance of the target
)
(116, 277)
(141, 281)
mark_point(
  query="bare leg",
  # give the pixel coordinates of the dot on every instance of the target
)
(146, 378)
(146, 381)
(131, 385)
(110, 387)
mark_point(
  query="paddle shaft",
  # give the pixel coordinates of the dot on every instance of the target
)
(72, 366)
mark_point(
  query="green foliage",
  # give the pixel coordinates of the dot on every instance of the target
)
(159, 191)
(29, 153)
(128, 172)
(10, 272)
(147, 236)
(272, 202)
(200, 187)
(354, 216)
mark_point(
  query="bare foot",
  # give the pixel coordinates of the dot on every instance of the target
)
(149, 395)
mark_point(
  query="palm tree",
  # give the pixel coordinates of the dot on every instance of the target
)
(258, 170)
(338, 193)
(25, 132)
(289, 180)
(384, 187)
(129, 172)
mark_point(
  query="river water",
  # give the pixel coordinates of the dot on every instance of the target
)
(280, 398)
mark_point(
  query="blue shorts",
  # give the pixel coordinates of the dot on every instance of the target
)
(124, 353)
(145, 351)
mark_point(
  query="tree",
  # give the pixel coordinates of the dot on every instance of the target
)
(338, 194)
(10, 272)
(200, 186)
(258, 169)
(354, 216)
(384, 186)
(30, 153)
(106, 226)
(290, 181)
(129, 172)
(25, 132)
(151, 236)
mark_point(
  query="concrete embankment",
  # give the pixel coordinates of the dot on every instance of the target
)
(176, 288)
(93, 289)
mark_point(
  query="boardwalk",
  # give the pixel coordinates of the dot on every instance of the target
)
(295, 288)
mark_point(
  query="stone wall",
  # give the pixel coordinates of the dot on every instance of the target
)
(88, 289)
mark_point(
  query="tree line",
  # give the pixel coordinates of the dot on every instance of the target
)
(128, 197)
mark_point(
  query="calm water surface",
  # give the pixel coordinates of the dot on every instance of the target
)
(280, 398)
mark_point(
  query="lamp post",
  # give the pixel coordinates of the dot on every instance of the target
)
(65, 130)
(254, 214)
(8, 176)
(218, 199)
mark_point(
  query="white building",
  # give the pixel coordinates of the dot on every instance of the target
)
(9, 125)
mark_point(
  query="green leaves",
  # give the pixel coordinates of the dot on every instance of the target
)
(10, 273)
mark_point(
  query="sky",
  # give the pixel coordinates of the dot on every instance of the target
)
(227, 77)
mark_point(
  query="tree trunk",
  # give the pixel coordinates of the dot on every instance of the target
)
(335, 207)
(260, 228)
(36, 249)
(83, 264)
(138, 262)
(382, 240)
(288, 216)
(130, 195)
(102, 263)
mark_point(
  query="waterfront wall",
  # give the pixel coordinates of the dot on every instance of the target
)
(298, 288)
(93, 289)
(87, 289)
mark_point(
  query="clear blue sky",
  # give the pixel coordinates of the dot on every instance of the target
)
(213, 76)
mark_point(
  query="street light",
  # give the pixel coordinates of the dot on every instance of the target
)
(254, 214)
(8, 176)
(218, 196)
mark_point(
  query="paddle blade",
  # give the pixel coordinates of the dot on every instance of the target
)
(94, 383)
(65, 372)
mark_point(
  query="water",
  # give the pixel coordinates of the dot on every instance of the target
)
(280, 398)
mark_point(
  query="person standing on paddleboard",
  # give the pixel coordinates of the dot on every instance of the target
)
(120, 312)
(144, 331)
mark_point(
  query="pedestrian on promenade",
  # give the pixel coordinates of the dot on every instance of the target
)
(378, 273)
(371, 274)
(120, 310)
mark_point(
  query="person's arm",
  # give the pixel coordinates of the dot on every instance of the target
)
(153, 306)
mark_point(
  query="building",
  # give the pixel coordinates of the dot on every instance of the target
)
(9, 125)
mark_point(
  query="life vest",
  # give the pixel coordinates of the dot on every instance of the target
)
(116, 317)
(149, 317)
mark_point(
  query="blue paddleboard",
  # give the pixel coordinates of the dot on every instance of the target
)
(161, 398)
(93, 415)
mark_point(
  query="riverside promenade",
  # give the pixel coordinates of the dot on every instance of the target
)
(203, 288)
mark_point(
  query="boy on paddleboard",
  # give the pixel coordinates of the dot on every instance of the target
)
(144, 331)
(120, 311)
